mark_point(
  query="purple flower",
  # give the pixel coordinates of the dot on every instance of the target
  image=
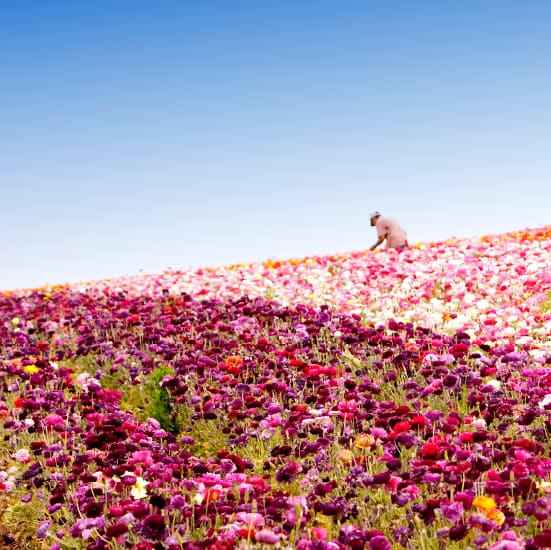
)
(43, 527)
(288, 472)
(379, 543)
(452, 512)
(266, 536)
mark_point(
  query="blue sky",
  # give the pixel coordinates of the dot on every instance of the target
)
(139, 136)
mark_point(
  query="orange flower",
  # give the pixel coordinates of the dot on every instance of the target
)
(363, 441)
(484, 503)
(495, 515)
(234, 361)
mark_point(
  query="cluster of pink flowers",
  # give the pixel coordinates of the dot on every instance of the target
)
(490, 287)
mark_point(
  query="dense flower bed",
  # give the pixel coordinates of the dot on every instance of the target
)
(366, 401)
(490, 288)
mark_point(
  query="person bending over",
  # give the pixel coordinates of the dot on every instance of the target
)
(389, 230)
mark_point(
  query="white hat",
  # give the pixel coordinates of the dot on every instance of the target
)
(374, 215)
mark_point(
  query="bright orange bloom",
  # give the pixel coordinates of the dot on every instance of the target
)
(495, 515)
(234, 361)
(484, 503)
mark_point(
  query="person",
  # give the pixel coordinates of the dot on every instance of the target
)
(390, 230)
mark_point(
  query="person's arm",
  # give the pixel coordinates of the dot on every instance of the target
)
(379, 241)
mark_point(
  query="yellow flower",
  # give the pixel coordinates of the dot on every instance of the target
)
(31, 369)
(544, 487)
(363, 441)
(345, 456)
(15, 321)
(484, 503)
(138, 489)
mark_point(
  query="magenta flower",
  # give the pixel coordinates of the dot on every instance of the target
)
(42, 530)
(54, 420)
(379, 543)
(265, 536)
(288, 472)
(250, 518)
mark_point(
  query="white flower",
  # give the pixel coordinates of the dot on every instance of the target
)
(138, 489)
(496, 384)
(545, 401)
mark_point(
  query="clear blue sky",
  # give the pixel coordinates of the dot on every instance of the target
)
(142, 135)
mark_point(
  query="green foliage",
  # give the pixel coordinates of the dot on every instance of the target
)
(161, 407)
(546, 304)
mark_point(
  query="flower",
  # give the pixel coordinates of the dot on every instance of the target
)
(265, 536)
(138, 490)
(319, 533)
(42, 530)
(252, 519)
(364, 441)
(22, 455)
(379, 543)
(487, 507)
(288, 472)
(484, 503)
(495, 515)
(345, 456)
(453, 512)
(31, 369)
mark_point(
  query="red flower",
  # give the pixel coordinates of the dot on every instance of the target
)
(212, 495)
(418, 421)
(430, 450)
(246, 533)
(400, 428)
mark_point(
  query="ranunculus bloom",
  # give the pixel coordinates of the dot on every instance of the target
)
(364, 441)
(319, 533)
(543, 539)
(54, 420)
(379, 543)
(22, 455)
(43, 527)
(484, 503)
(265, 536)
(250, 518)
(453, 512)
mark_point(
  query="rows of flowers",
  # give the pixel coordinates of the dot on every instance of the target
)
(490, 287)
(390, 400)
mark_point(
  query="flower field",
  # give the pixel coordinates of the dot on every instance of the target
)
(367, 400)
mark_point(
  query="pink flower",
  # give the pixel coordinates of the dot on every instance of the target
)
(252, 519)
(271, 421)
(53, 420)
(267, 537)
(143, 457)
(22, 455)
(319, 533)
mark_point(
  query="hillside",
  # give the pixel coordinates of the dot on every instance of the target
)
(363, 400)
